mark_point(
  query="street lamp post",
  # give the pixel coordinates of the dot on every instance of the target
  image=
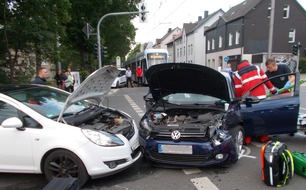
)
(98, 30)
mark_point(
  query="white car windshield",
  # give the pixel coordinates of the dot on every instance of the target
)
(189, 98)
(48, 102)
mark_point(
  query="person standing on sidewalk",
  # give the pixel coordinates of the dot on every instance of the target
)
(59, 79)
(128, 75)
(139, 75)
(41, 76)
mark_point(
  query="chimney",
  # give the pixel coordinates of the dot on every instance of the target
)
(205, 14)
(169, 30)
(199, 18)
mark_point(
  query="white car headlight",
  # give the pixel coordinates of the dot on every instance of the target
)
(102, 138)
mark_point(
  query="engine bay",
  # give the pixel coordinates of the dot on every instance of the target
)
(183, 117)
(103, 119)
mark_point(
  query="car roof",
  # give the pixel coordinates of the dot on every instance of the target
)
(14, 87)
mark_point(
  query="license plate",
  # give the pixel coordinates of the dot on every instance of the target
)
(174, 149)
(135, 145)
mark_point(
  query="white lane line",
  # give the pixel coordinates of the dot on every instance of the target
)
(189, 171)
(203, 183)
(112, 91)
(137, 109)
(302, 108)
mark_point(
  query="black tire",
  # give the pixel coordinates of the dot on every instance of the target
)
(64, 164)
(238, 136)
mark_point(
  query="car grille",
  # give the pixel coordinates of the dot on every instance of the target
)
(185, 136)
(135, 152)
(181, 158)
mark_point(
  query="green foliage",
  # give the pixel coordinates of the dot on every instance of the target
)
(52, 31)
(116, 32)
(134, 51)
(84, 74)
(3, 77)
(302, 65)
(32, 27)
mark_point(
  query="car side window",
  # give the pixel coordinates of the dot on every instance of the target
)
(122, 73)
(7, 111)
(282, 93)
(30, 122)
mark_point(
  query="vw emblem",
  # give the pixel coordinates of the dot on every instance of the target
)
(175, 135)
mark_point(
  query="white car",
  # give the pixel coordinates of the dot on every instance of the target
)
(47, 130)
(301, 119)
(120, 80)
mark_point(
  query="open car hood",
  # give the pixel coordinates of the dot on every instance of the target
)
(170, 78)
(97, 86)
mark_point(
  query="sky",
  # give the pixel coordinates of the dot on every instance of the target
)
(165, 14)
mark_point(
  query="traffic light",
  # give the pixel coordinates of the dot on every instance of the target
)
(143, 16)
(104, 52)
(295, 49)
(96, 52)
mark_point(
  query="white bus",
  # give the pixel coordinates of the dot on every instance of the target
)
(146, 59)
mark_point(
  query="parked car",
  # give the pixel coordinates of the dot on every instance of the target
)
(47, 130)
(120, 80)
(194, 119)
(301, 119)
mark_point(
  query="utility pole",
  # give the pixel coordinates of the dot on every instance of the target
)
(98, 30)
(271, 29)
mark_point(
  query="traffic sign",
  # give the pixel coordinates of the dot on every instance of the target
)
(87, 29)
(118, 61)
(226, 59)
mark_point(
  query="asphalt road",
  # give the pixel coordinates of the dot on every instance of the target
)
(245, 174)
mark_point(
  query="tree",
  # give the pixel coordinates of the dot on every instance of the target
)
(117, 32)
(31, 30)
(36, 31)
(134, 51)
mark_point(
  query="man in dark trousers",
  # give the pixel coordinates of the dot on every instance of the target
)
(246, 78)
(128, 75)
(59, 79)
(41, 76)
(139, 75)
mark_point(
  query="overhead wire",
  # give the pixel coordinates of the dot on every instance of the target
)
(167, 15)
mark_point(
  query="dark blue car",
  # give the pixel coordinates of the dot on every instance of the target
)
(194, 119)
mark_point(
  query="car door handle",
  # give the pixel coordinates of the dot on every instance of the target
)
(290, 107)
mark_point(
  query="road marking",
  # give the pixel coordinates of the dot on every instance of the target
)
(137, 109)
(189, 171)
(112, 91)
(302, 108)
(203, 183)
(245, 155)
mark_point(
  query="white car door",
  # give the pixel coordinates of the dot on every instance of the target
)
(15, 150)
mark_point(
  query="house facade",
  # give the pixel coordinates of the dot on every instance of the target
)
(189, 45)
(243, 33)
(161, 43)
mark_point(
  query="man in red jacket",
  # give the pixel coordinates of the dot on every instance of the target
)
(139, 75)
(247, 77)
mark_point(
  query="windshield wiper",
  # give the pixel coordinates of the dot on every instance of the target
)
(85, 109)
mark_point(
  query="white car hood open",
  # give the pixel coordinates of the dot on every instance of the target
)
(97, 85)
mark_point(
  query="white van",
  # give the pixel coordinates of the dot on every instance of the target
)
(120, 79)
